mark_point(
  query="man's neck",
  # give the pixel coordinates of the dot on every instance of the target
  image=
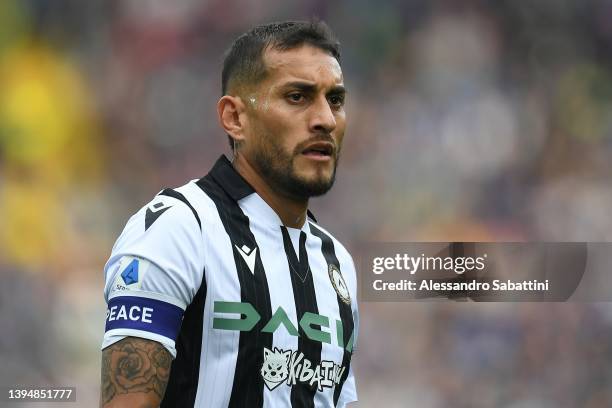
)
(291, 212)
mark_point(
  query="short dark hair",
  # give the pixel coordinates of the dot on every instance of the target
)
(244, 60)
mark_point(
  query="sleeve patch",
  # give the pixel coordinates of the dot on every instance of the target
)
(145, 314)
(130, 274)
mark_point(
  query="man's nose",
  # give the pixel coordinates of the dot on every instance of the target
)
(322, 118)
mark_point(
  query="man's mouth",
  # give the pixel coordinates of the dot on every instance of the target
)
(319, 151)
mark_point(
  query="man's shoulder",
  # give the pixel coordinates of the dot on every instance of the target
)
(176, 204)
(169, 209)
(163, 238)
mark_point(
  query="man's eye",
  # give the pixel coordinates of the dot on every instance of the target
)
(336, 100)
(295, 97)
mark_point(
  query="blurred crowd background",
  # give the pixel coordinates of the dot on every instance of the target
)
(469, 120)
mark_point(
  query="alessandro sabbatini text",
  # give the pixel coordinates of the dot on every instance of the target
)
(467, 286)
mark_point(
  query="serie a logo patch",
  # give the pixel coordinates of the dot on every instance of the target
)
(130, 273)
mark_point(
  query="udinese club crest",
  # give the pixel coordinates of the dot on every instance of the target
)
(339, 284)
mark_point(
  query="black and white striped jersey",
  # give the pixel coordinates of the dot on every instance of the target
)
(255, 313)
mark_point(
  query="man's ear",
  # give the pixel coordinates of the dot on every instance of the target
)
(230, 113)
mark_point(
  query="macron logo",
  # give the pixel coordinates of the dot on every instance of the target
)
(249, 256)
(153, 213)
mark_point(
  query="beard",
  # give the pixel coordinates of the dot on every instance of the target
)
(278, 168)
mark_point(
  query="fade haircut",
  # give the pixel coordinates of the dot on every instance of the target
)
(244, 63)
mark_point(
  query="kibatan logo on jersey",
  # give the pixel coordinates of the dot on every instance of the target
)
(291, 367)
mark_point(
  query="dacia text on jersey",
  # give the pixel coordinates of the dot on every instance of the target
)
(249, 317)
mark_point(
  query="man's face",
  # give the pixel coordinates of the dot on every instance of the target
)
(296, 121)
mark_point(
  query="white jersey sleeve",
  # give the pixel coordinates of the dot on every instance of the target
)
(155, 269)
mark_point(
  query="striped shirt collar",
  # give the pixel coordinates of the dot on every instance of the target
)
(226, 176)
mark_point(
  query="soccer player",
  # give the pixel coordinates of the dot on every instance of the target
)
(226, 292)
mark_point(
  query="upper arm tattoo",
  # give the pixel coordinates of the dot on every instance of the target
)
(135, 365)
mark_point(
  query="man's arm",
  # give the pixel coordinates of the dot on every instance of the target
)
(135, 373)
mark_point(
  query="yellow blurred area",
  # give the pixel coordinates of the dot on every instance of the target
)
(46, 113)
(34, 230)
(50, 146)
